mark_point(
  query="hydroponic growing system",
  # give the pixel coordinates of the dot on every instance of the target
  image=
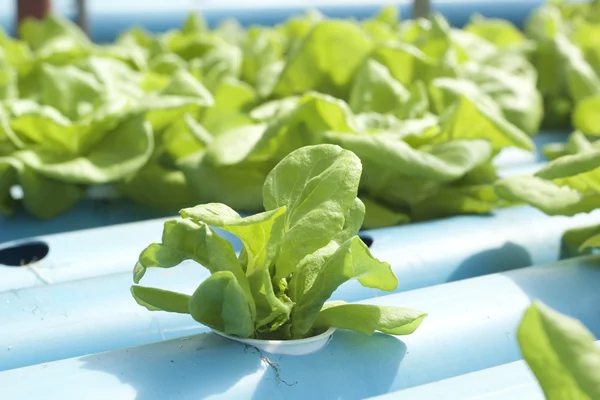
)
(297, 200)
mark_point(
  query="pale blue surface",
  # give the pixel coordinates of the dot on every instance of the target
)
(513, 381)
(464, 247)
(471, 326)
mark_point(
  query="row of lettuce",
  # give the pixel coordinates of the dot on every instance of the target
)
(198, 115)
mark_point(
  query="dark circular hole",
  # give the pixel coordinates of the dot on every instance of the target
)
(23, 253)
(368, 240)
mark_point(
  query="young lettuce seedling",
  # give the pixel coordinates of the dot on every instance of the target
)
(294, 256)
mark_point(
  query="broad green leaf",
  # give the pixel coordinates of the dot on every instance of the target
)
(183, 94)
(546, 195)
(577, 142)
(184, 84)
(232, 147)
(352, 222)
(351, 260)
(586, 116)
(374, 89)
(46, 127)
(411, 130)
(8, 78)
(379, 216)
(167, 64)
(44, 197)
(182, 240)
(582, 81)
(262, 48)
(561, 353)
(545, 22)
(500, 32)
(433, 38)
(219, 64)
(317, 185)
(456, 200)
(470, 113)
(417, 105)
(303, 126)
(405, 62)
(395, 188)
(517, 96)
(53, 39)
(161, 300)
(261, 234)
(194, 23)
(239, 186)
(578, 240)
(121, 152)
(158, 187)
(183, 138)
(117, 77)
(220, 303)
(232, 98)
(8, 138)
(591, 243)
(197, 130)
(574, 239)
(579, 171)
(389, 15)
(296, 29)
(70, 90)
(275, 108)
(367, 318)
(186, 46)
(8, 178)
(16, 54)
(442, 162)
(318, 65)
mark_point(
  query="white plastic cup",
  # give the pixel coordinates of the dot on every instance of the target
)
(297, 347)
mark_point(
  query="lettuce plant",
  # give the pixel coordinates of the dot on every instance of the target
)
(567, 57)
(567, 185)
(294, 256)
(561, 353)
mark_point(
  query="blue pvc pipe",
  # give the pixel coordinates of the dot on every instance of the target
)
(464, 247)
(512, 381)
(471, 326)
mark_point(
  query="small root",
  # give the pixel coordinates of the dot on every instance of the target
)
(276, 367)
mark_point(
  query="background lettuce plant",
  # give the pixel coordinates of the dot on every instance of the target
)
(198, 115)
(567, 58)
(567, 185)
(294, 256)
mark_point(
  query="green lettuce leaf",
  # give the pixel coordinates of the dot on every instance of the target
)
(561, 353)
(367, 318)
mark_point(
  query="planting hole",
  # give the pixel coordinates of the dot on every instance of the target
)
(368, 240)
(23, 253)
